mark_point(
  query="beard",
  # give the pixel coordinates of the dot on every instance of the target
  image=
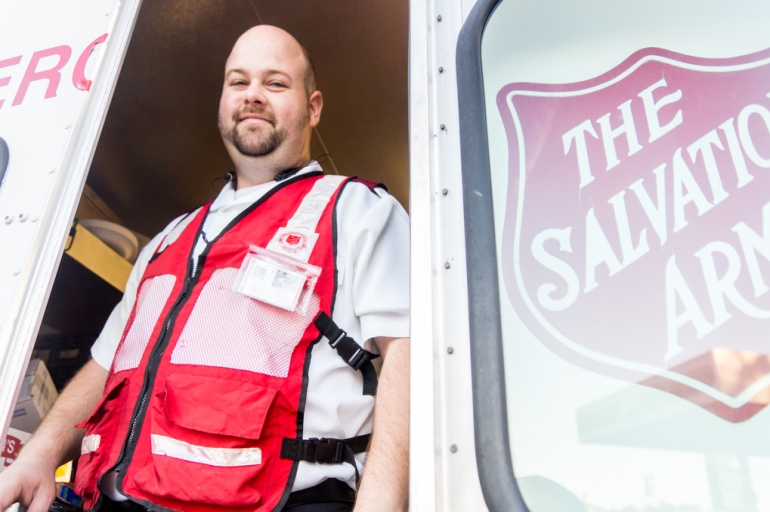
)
(252, 140)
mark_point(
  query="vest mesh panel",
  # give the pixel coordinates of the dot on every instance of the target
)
(149, 305)
(249, 334)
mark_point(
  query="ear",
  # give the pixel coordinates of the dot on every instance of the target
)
(316, 102)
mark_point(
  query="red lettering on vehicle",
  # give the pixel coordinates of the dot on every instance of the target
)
(53, 75)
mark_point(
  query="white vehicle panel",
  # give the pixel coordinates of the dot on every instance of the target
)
(56, 80)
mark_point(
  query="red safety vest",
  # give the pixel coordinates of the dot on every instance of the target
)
(208, 385)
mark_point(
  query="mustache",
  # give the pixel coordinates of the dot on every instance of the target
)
(238, 116)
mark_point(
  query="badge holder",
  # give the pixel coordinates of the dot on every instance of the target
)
(276, 279)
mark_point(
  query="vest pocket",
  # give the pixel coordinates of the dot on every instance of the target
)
(217, 406)
(207, 442)
(101, 427)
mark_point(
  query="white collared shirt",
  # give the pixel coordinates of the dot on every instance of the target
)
(372, 300)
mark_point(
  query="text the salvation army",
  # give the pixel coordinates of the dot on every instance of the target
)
(685, 200)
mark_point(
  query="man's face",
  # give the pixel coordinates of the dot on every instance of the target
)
(264, 104)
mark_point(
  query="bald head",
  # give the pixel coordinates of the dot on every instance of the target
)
(269, 105)
(270, 39)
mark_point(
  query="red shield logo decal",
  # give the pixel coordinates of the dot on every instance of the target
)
(293, 242)
(636, 238)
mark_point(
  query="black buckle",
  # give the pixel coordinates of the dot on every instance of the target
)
(341, 337)
(358, 359)
(329, 451)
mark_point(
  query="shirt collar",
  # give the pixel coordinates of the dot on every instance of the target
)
(228, 196)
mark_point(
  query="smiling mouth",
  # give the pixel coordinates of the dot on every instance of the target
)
(253, 117)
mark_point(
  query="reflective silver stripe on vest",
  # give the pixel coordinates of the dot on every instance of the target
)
(90, 444)
(223, 457)
(313, 205)
(298, 237)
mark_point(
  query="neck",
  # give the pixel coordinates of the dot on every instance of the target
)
(253, 171)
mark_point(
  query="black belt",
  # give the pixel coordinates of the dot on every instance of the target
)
(120, 506)
(328, 491)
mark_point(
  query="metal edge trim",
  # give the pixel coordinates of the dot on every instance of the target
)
(424, 475)
(493, 453)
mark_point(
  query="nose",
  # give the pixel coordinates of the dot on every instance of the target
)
(255, 94)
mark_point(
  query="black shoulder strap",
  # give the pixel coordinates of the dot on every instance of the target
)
(350, 351)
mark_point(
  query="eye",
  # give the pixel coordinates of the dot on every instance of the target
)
(277, 84)
(238, 81)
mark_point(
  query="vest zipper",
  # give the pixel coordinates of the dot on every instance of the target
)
(157, 353)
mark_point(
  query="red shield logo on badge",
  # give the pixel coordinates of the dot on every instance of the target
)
(293, 241)
(636, 238)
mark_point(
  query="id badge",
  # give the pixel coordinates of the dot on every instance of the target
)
(276, 279)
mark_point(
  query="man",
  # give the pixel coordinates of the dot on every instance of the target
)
(211, 383)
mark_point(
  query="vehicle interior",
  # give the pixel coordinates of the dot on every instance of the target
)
(160, 153)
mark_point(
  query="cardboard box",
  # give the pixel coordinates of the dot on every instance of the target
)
(14, 441)
(36, 397)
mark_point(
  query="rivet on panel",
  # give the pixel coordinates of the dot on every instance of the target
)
(23, 217)
(439, 18)
(35, 218)
(68, 126)
(17, 272)
(453, 448)
(447, 265)
(445, 191)
(443, 127)
(441, 69)
(8, 219)
(52, 170)
(450, 350)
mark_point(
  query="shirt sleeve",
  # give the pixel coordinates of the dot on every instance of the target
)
(104, 348)
(374, 243)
